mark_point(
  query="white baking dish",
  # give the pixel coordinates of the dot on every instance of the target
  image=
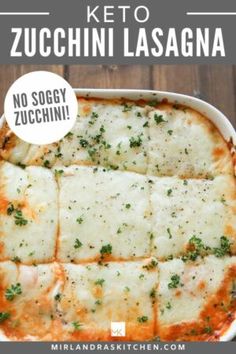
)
(212, 113)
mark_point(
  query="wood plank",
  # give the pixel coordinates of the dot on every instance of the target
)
(176, 78)
(213, 83)
(111, 76)
(9, 73)
(217, 85)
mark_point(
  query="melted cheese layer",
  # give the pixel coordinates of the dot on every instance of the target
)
(184, 143)
(195, 299)
(79, 302)
(141, 179)
(183, 210)
(94, 296)
(162, 141)
(102, 210)
(28, 214)
(31, 311)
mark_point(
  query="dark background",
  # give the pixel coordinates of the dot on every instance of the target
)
(215, 84)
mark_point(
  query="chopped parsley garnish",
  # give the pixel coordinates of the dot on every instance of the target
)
(21, 165)
(13, 291)
(151, 265)
(159, 118)
(57, 297)
(126, 107)
(69, 135)
(79, 220)
(106, 145)
(135, 142)
(142, 319)
(152, 103)
(46, 163)
(146, 125)
(10, 209)
(222, 199)
(97, 138)
(197, 242)
(169, 232)
(58, 173)
(168, 305)
(92, 153)
(16, 259)
(175, 281)
(4, 316)
(98, 302)
(94, 115)
(102, 129)
(196, 249)
(170, 132)
(169, 258)
(77, 244)
(19, 218)
(169, 192)
(152, 293)
(128, 206)
(208, 330)
(223, 249)
(99, 282)
(119, 231)
(58, 153)
(83, 143)
(77, 326)
(106, 250)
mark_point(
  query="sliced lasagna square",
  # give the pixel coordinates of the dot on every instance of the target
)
(114, 134)
(27, 310)
(28, 214)
(193, 217)
(110, 133)
(104, 214)
(95, 296)
(184, 143)
(196, 300)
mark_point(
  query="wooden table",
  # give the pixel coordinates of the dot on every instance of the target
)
(213, 83)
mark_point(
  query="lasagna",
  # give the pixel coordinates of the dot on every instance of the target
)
(130, 218)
